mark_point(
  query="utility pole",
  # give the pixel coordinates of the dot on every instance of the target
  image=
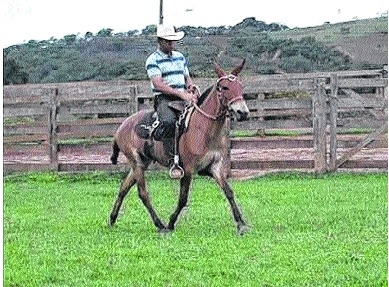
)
(160, 12)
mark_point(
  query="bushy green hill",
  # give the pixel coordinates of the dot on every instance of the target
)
(268, 48)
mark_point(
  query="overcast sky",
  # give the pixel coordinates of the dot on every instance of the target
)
(25, 20)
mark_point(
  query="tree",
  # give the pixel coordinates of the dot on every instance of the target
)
(70, 39)
(13, 73)
(132, 33)
(105, 32)
(150, 30)
(88, 35)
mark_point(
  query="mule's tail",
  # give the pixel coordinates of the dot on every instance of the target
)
(115, 153)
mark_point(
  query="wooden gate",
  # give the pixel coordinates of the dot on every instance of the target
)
(367, 96)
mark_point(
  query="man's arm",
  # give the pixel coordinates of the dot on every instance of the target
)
(189, 82)
(164, 88)
(190, 86)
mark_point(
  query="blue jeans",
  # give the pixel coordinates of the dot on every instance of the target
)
(167, 117)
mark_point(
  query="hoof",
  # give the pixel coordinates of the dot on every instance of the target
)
(110, 222)
(164, 231)
(242, 229)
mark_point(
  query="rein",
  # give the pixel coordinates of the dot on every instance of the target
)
(217, 117)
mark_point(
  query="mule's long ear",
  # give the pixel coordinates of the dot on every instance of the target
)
(220, 73)
(237, 70)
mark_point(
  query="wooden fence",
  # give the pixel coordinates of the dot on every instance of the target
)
(325, 105)
(44, 125)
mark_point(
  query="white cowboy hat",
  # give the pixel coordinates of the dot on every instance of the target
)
(169, 33)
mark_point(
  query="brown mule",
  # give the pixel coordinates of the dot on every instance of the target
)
(199, 148)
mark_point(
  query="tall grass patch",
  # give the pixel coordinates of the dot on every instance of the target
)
(305, 231)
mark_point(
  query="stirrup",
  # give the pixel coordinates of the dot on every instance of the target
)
(176, 171)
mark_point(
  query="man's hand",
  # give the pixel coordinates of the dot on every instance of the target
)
(161, 86)
(189, 96)
(194, 89)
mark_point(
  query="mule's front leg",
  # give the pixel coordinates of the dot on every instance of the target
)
(222, 182)
(183, 199)
(240, 224)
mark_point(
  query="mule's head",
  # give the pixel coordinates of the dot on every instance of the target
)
(231, 91)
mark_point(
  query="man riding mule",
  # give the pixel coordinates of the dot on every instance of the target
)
(170, 81)
(200, 147)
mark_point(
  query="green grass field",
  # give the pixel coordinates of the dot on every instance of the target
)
(305, 231)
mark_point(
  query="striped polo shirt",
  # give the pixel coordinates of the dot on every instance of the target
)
(172, 69)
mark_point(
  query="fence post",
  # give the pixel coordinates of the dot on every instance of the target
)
(333, 122)
(319, 126)
(226, 148)
(133, 101)
(261, 113)
(52, 129)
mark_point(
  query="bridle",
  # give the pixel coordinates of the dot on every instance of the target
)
(219, 89)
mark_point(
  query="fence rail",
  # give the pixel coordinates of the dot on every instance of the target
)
(44, 122)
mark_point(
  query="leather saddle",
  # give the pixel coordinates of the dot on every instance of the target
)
(144, 129)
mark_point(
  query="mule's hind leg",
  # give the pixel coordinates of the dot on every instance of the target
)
(144, 196)
(125, 187)
(222, 182)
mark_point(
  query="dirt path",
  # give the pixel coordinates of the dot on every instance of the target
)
(102, 153)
